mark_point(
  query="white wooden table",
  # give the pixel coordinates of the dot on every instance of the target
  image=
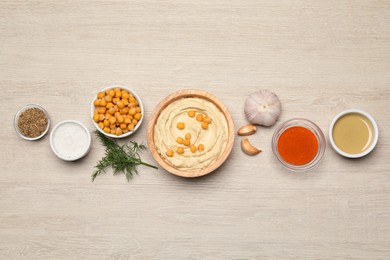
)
(320, 57)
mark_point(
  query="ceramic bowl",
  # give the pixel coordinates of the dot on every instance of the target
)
(140, 105)
(374, 137)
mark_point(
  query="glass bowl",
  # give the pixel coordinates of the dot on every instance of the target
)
(16, 118)
(139, 103)
(308, 125)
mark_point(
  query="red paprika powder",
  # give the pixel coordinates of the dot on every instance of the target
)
(298, 145)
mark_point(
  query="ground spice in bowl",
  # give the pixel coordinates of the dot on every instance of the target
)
(31, 122)
(298, 144)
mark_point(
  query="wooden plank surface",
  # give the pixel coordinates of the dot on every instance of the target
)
(320, 57)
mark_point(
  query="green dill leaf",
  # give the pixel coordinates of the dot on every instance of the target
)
(123, 158)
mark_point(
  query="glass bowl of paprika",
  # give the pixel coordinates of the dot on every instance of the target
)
(298, 144)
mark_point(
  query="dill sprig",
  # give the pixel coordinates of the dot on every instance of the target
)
(123, 158)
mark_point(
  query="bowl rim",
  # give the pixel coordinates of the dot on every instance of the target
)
(22, 109)
(188, 93)
(373, 123)
(75, 122)
(140, 103)
(311, 126)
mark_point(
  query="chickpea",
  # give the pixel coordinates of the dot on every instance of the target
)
(96, 118)
(115, 100)
(191, 113)
(169, 153)
(100, 95)
(132, 111)
(180, 150)
(193, 149)
(207, 120)
(123, 126)
(124, 111)
(108, 98)
(109, 105)
(101, 125)
(130, 127)
(180, 140)
(111, 111)
(112, 120)
(181, 125)
(187, 142)
(118, 131)
(125, 94)
(138, 109)
(201, 148)
(96, 102)
(138, 116)
(102, 103)
(120, 104)
(188, 136)
(199, 117)
(102, 110)
(106, 130)
(125, 101)
(205, 126)
(106, 123)
(120, 119)
(118, 94)
(101, 117)
(134, 121)
(111, 93)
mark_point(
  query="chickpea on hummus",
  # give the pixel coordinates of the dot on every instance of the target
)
(191, 133)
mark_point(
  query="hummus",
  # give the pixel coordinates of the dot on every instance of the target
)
(214, 138)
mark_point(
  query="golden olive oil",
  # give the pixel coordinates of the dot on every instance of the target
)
(353, 133)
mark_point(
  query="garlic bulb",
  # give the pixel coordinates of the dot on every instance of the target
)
(262, 108)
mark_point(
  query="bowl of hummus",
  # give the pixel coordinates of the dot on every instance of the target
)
(190, 133)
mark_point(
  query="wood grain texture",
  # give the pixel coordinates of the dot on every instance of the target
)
(320, 57)
(189, 93)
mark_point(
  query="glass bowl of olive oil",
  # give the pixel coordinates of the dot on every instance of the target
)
(353, 133)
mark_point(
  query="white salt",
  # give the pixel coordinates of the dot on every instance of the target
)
(70, 140)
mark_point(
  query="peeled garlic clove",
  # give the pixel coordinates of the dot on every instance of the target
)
(262, 108)
(246, 130)
(248, 148)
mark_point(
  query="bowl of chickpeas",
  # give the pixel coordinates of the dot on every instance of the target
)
(117, 111)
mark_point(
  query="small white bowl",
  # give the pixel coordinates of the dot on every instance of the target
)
(16, 118)
(139, 103)
(70, 140)
(375, 135)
